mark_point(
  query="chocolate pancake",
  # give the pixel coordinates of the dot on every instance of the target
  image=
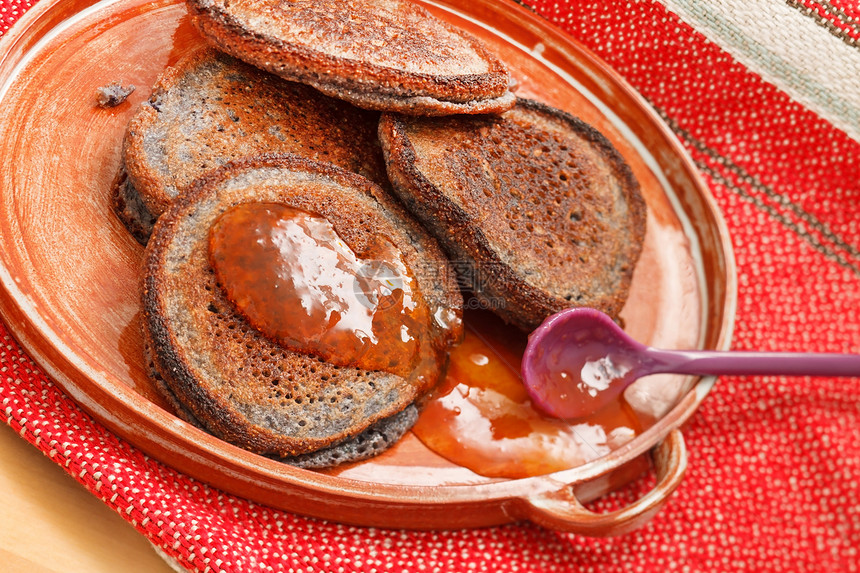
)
(209, 109)
(537, 209)
(240, 382)
(388, 55)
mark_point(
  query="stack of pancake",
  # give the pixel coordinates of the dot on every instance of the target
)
(376, 144)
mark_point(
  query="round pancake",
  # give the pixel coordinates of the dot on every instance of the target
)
(210, 108)
(243, 386)
(389, 55)
(537, 210)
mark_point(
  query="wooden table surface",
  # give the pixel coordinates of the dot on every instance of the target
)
(49, 523)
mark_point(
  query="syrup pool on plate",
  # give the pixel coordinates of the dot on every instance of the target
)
(481, 417)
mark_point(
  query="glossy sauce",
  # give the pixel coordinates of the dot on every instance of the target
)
(296, 281)
(481, 417)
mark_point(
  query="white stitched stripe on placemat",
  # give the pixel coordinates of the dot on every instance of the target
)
(780, 42)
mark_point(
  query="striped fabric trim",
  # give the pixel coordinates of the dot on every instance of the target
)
(833, 18)
(736, 179)
(806, 49)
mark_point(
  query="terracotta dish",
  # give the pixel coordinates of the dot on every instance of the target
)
(68, 268)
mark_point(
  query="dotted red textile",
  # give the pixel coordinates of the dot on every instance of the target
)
(774, 476)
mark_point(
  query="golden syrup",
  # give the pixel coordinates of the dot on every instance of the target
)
(297, 282)
(481, 417)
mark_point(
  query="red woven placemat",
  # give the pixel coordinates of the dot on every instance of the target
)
(765, 97)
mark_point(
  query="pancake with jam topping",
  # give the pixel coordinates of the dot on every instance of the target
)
(291, 306)
(390, 55)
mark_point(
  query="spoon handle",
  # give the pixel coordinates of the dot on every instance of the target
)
(703, 362)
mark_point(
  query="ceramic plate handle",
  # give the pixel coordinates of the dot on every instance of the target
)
(561, 510)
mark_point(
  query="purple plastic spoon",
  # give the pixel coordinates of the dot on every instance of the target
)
(578, 361)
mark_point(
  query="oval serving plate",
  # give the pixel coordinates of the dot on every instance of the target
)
(68, 269)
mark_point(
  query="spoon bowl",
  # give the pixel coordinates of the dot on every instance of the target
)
(579, 360)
